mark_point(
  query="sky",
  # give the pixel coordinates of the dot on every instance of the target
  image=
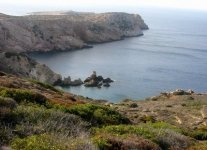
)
(19, 7)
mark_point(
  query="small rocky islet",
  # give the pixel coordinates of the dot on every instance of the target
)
(92, 81)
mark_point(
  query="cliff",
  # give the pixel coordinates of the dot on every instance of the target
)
(23, 66)
(65, 30)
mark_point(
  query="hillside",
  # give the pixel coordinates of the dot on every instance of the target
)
(36, 116)
(23, 66)
(65, 31)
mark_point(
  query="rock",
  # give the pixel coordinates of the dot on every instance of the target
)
(154, 98)
(178, 92)
(97, 81)
(190, 91)
(33, 32)
(91, 83)
(66, 81)
(107, 80)
(76, 82)
(21, 65)
(93, 76)
(106, 85)
(100, 78)
(87, 80)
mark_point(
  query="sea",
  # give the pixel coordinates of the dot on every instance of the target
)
(171, 55)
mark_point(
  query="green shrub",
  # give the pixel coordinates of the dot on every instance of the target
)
(199, 146)
(38, 142)
(98, 115)
(127, 130)
(197, 134)
(45, 85)
(6, 134)
(111, 142)
(7, 102)
(22, 95)
(165, 135)
(33, 119)
(7, 106)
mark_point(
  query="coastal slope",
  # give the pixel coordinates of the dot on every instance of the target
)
(23, 66)
(65, 30)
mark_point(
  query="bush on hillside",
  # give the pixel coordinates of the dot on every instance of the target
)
(111, 142)
(7, 106)
(98, 115)
(163, 134)
(45, 85)
(39, 142)
(34, 119)
(22, 95)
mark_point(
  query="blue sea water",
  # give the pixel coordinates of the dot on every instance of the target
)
(172, 54)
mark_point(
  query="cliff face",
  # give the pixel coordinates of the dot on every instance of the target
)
(21, 65)
(65, 31)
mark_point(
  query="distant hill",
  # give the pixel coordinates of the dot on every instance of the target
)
(47, 31)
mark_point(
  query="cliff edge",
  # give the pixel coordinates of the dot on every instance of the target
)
(65, 30)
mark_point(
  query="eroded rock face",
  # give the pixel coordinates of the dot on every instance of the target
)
(68, 82)
(97, 81)
(21, 65)
(65, 31)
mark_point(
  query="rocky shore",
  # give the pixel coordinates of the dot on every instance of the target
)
(59, 31)
(92, 81)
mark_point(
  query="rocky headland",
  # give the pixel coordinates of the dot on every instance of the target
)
(63, 31)
(59, 31)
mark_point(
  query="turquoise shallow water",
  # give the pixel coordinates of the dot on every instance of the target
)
(171, 55)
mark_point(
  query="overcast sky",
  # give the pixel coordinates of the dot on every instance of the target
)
(19, 7)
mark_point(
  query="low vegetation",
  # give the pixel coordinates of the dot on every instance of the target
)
(29, 120)
(22, 95)
(164, 135)
(98, 115)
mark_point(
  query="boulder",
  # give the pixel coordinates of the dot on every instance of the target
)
(100, 78)
(178, 92)
(66, 81)
(97, 81)
(106, 85)
(107, 80)
(87, 79)
(76, 82)
(91, 83)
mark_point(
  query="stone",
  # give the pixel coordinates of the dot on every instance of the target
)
(66, 81)
(178, 92)
(76, 82)
(33, 32)
(100, 78)
(107, 80)
(91, 83)
(97, 81)
(190, 91)
(106, 85)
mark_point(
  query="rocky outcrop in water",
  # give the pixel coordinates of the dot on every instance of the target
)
(68, 82)
(22, 65)
(97, 81)
(65, 30)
